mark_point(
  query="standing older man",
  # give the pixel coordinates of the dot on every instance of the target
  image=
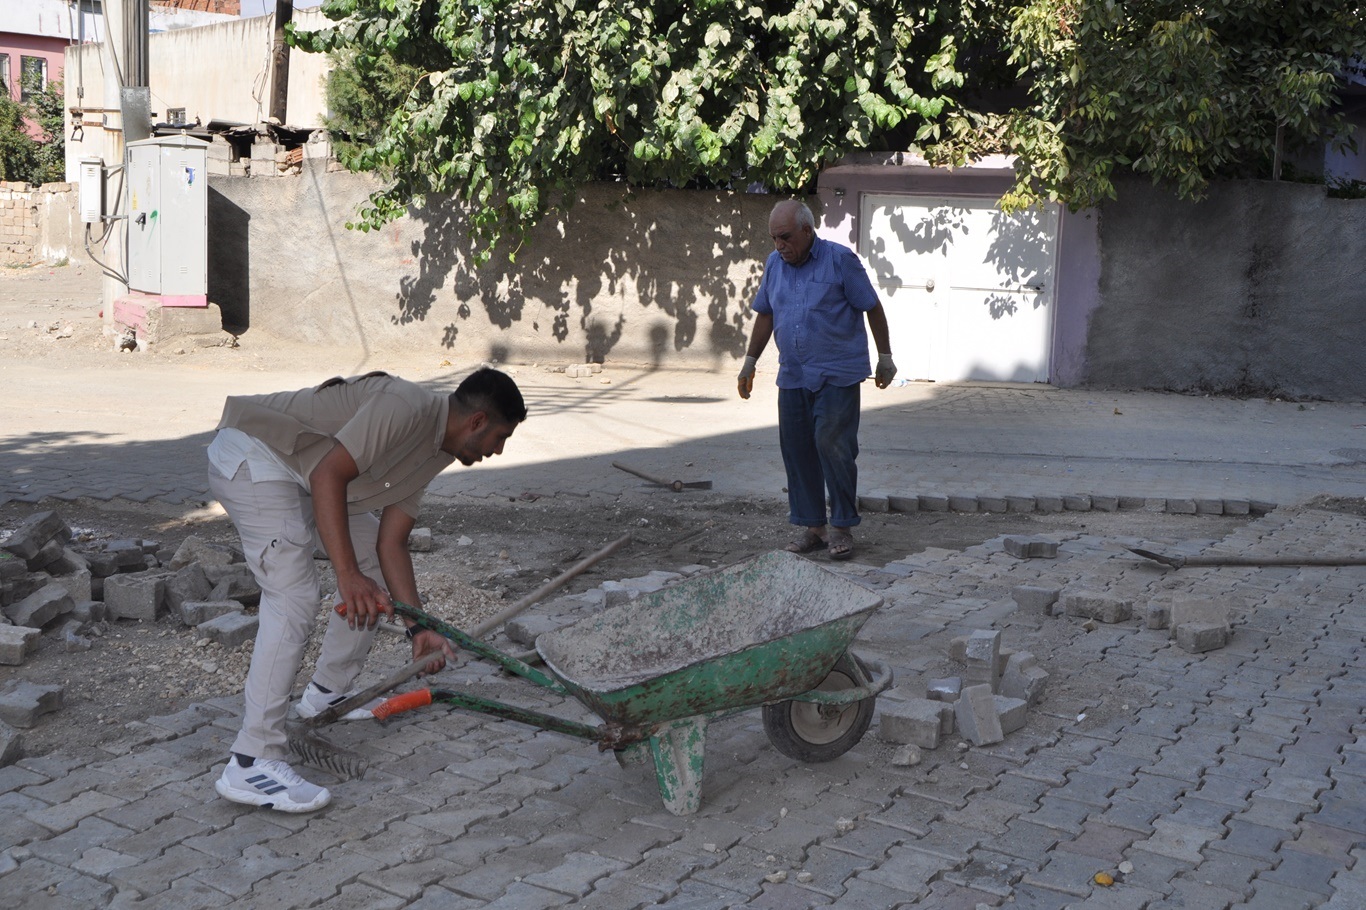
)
(295, 469)
(814, 296)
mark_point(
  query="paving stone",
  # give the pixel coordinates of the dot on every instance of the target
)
(1303, 871)
(17, 642)
(1178, 841)
(990, 873)
(41, 607)
(1275, 896)
(23, 702)
(138, 596)
(230, 630)
(906, 870)
(1069, 873)
(1256, 841)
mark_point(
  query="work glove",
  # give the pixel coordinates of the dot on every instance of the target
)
(886, 370)
(745, 380)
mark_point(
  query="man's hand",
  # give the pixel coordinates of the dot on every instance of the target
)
(886, 371)
(745, 381)
(427, 642)
(365, 601)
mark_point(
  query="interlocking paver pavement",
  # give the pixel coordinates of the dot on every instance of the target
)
(1260, 810)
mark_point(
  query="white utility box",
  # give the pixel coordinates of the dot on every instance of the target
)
(90, 190)
(168, 219)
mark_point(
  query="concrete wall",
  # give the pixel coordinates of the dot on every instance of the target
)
(655, 277)
(1258, 290)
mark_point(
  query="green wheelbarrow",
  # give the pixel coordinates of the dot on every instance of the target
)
(773, 631)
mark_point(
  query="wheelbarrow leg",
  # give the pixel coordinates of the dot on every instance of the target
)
(678, 749)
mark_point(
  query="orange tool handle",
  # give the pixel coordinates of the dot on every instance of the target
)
(400, 703)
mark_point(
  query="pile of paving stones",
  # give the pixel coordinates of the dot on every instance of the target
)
(52, 584)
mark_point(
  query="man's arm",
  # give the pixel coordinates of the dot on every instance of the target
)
(877, 324)
(365, 601)
(758, 340)
(396, 562)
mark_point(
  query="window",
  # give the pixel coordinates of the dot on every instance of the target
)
(4, 74)
(33, 76)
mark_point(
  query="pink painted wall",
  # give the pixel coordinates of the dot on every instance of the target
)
(20, 46)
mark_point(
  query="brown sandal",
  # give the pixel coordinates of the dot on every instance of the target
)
(841, 544)
(808, 542)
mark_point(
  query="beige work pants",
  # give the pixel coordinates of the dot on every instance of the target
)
(279, 536)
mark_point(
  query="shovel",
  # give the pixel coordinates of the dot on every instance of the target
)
(675, 485)
(1177, 562)
(322, 754)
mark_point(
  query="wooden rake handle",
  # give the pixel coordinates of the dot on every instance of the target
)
(402, 675)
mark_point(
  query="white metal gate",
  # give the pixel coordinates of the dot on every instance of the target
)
(968, 289)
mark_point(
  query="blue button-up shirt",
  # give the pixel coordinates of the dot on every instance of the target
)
(818, 320)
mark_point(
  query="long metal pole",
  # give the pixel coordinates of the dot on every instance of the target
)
(279, 63)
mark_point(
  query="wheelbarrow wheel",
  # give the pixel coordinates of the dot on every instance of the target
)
(810, 732)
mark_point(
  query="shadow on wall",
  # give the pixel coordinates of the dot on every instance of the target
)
(229, 268)
(586, 272)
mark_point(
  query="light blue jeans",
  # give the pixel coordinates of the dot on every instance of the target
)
(818, 433)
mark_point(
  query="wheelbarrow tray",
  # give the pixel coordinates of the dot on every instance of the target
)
(760, 631)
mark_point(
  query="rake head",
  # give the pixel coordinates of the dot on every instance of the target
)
(319, 753)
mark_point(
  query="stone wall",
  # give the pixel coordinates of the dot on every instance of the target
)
(39, 224)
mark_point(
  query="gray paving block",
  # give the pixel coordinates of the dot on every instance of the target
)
(138, 595)
(1194, 608)
(1020, 504)
(230, 629)
(903, 502)
(24, 702)
(874, 502)
(993, 504)
(188, 583)
(34, 533)
(1097, 605)
(914, 720)
(41, 607)
(197, 612)
(17, 642)
(1011, 712)
(1197, 637)
(961, 502)
(976, 716)
(933, 502)
(1076, 502)
(1035, 598)
(1104, 503)
(1158, 615)
(194, 549)
(1023, 678)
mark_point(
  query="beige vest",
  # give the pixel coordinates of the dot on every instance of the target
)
(392, 428)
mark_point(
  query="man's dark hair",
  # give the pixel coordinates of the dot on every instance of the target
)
(492, 392)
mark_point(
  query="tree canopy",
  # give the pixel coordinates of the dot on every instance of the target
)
(510, 105)
(26, 159)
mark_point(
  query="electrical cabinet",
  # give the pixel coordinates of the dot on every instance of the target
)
(168, 217)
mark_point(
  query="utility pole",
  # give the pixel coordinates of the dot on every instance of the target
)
(279, 59)
(127, 102)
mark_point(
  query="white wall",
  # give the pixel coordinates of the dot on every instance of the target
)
(215, 72)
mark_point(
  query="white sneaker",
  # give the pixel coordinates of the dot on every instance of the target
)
(270, 783)
(315, 701)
